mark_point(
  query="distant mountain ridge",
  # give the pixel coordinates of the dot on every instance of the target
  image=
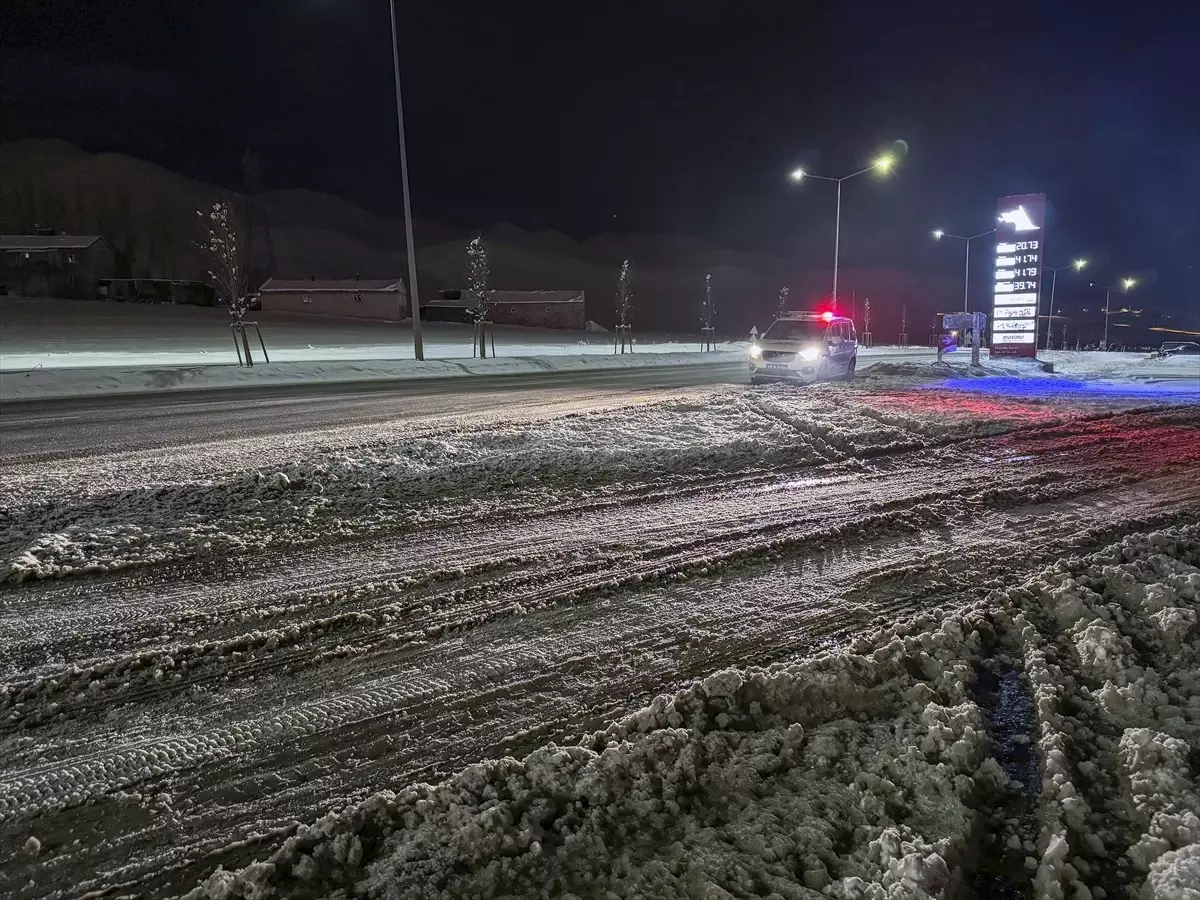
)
(149, 214)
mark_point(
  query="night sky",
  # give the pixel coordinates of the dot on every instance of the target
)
(659, 116)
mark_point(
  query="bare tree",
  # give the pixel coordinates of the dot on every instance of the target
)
(478, 278)
(624, 307)
(706, 319)
(783, 299)
(225, 249)
(624, 295)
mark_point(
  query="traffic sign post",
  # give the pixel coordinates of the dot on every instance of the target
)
(964, 323)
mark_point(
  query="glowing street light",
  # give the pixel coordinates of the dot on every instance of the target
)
(1077, 265)
(883, 164)
(938, 234)
(1125, 285)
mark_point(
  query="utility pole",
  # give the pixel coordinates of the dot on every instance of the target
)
(413, 299)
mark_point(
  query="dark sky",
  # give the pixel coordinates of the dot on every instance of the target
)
(659, 115)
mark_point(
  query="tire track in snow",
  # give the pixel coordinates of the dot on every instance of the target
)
(221, 775)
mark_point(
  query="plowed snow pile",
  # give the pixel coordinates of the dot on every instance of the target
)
(869, 772)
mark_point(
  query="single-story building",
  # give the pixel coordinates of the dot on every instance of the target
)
(383, 299)
(55, 265)
(537, 309)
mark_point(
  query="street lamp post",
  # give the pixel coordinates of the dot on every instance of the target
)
(939, 234)
(882, 164)
(1077, 265)
(1125, 285)
(413, 300)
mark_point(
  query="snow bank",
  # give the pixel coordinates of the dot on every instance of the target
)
(48, 383)
(860, 773)
(1122, 365)
(852, 775)
(1112, 650)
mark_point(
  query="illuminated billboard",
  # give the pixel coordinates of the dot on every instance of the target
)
(1020, 243)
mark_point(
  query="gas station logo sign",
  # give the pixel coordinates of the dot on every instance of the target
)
(1020, 242)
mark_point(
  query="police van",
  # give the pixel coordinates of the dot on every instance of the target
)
(805, 347)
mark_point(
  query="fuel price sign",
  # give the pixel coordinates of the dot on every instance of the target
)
(1020, 243)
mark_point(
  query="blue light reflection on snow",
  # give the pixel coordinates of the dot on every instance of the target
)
(1183, 390)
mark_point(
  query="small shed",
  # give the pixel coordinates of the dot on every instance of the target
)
(382, 299)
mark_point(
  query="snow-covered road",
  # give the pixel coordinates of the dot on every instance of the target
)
(207, 645)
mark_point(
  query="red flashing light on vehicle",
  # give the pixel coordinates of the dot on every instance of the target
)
(827, 316)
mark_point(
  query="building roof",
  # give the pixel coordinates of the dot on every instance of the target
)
(313, 286)
(42, 242)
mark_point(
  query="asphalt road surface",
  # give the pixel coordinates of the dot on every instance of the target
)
(51, 429)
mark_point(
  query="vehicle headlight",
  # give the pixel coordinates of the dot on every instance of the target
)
(809, 353)
(756, 352)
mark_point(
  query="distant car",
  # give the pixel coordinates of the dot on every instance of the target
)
(805, 347)
(1182, 348)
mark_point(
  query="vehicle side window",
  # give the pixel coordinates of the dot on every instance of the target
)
(831, 334)
(841, 332)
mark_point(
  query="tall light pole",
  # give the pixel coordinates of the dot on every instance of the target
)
(939, 234)
(1077, 265)
(1125, 285)
(883, 164)
(413, 300)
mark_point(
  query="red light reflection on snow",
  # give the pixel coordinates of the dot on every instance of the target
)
(954, 406)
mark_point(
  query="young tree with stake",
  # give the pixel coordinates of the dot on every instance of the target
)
(706, 320)
(225, 249)
(624, 305)
(478, 277)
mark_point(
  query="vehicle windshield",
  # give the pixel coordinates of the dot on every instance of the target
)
(796, 330)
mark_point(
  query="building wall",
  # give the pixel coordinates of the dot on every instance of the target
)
(569, 315)
(390, 307)
(69, 273)
(96, 262)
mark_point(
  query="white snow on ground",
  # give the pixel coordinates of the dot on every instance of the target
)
(58, 334)
(1112, 651)
(205, 645)
(1121, 365)
(60, 525)
(862, 773)
(47, 383)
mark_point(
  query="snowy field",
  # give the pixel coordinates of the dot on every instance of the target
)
(900, 637)
(60, 334)
(62, 348)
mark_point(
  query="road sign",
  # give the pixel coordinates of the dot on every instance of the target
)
(963, 322)
(1020, 248)
(968, 324)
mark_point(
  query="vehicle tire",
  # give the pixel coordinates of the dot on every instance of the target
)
(852, 367)
(754, 379)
